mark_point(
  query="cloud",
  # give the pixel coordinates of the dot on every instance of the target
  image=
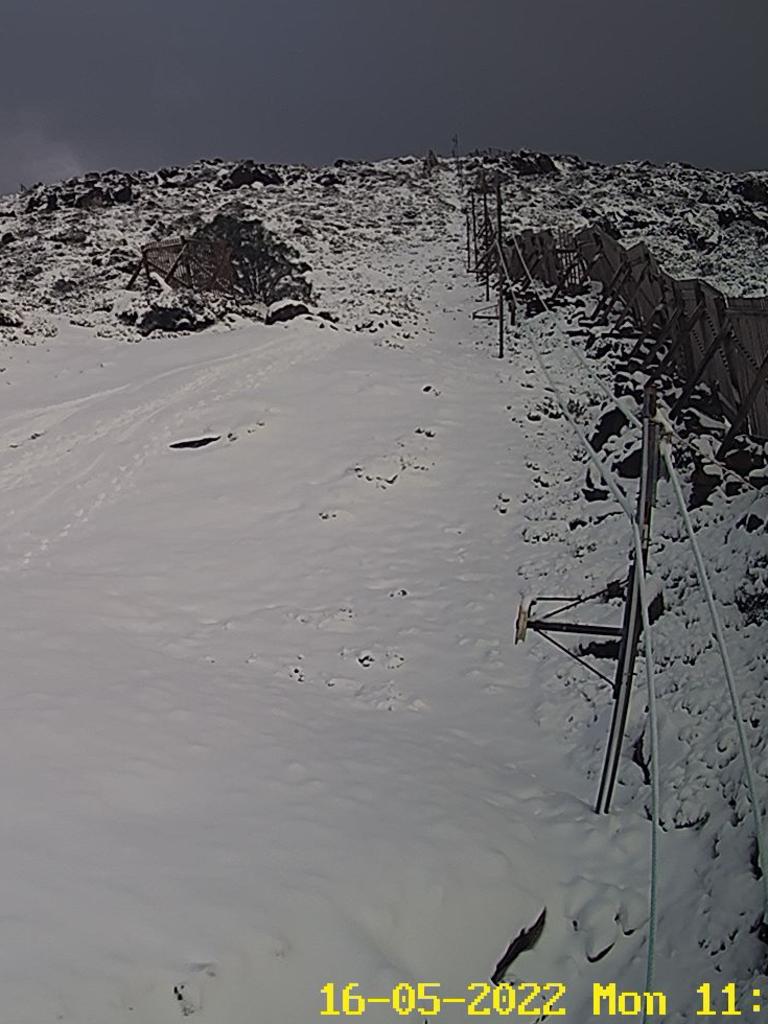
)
(29, 154)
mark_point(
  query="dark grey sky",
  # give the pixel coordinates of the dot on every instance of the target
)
(89, 84)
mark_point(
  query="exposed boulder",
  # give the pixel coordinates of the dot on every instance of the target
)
(249, 173)
(527, 164)
(181, 312)
(91, 198)
(8, 318)
(72, 236)
(92, 191)
(285, 309)
(752, 188)
(124, 194)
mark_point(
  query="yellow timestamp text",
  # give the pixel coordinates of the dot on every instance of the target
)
(534, 1000)
(482, 999)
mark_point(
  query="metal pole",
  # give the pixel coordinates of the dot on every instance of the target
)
(469, 258)
(474, 230)
(486, 240)
(632, 624)
(500, 275)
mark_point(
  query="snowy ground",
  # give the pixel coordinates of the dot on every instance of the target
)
(266, 726)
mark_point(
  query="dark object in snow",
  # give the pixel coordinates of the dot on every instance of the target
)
(755, 190)
(752, 523)
(629, 467)
(7, 238)
(286, 309)
(752, 595)
(9, 319)
(92, 198)
(603, 953)
(743, 461)
(195, 442)
(611, 424)
(527, 939)
(703, 485)
(528, 164)
(74, 236)
(124, 194)
(639, 758)
(184, 312)
(263, 266)
(250, 173)
(533, 304)
(608, 649)
(90, 192)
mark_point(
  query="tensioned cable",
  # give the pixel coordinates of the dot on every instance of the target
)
(728, 669)
(619, 496)
(716, 621)
(704, 582)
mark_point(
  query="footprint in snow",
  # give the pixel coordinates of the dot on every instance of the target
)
(387, 697)
(502, 504)
(393, 660)
(340, 619)
(335, 513)
(189, 993)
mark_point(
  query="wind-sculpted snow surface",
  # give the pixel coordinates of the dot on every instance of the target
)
(266, 724)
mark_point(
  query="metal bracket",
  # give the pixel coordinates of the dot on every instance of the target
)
(547, 624)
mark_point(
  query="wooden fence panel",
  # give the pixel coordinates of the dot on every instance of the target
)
(749, 318)
(721, 341)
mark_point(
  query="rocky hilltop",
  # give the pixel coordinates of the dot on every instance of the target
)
(70, 249)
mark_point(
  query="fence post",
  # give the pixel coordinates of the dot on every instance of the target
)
(499, 261)
(474, 230)
(457, 160)
(486, 239)
(633, 623)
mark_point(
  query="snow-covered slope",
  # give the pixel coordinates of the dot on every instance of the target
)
(72, 248)
(698, 222)
(266, 724)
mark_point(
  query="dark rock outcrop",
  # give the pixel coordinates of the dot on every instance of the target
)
(250, 173)
(753, 189)
(286, 309)
(184, 312)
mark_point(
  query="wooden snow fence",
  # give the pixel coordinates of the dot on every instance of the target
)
(706, 335)
(197, 264)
